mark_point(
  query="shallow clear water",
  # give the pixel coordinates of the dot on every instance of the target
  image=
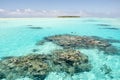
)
(17, 39)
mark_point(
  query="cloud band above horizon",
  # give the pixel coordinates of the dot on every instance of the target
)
(49, 13)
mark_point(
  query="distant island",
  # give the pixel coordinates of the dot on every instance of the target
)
(68, 16)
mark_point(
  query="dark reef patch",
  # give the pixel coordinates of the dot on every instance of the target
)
(35, 27)
(111, 28)
(73, 41)
(103, 25)
(38, 66)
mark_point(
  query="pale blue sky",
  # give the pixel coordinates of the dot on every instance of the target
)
(110, 8)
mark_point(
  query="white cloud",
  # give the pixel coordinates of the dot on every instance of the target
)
(50, 13)
(20, 12)
(28, 10)
(2, 10)
(36, 13)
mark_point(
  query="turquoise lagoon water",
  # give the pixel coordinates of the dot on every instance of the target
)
(17, 39)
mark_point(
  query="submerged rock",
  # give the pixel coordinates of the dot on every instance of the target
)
(70, 61)
(2, 75)
(35, 50)
(74, 41)
(106, 69)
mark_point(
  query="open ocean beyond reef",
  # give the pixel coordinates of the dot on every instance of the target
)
(19, 38)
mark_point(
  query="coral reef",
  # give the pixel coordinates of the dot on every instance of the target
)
(34, 66)
(38, 66)
(74, 41)
(70, 61)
